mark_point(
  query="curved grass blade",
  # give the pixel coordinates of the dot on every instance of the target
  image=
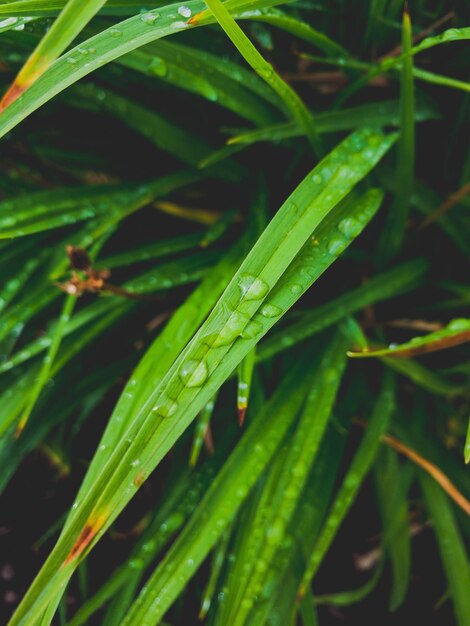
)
(165, 135)
(264, 69)
(221, 502)
(424, 377)
(294, 472)
(227, 84)
(377, 114)
(451, 547)
(392, 485)
(152, 251)
(218, 559)
(102, 48)
(454, 334)
(46, 367)
(399, 280)
(298, 28)
(73, 18)
(394, 232)
(346, 598)
(229, 333)
(356, 473)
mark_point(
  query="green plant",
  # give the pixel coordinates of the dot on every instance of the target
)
(164, 218)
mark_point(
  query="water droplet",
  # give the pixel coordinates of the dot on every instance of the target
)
(194, 373)
(135, 463)
(295, 288)
(232, 329)
(179, 25)
(149, 18)
(115, 32)
(9, 21)
(357, 141)
(252, 288)
(165, 409)
(184, 11)
(458, 325)
(251, 330)
(271, 310)
(335, 246)
(317, 179)
(72, 61)
(158, 67)
(350, 227)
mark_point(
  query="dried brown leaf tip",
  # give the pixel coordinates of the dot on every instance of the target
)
(86, 278)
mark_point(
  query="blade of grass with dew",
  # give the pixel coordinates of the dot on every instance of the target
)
(394, 231)
(360, 465)
(73, 18)
(51, 8)
(455, 333)
(392, 485)
(422, 376)
(13, 450)
(170, 516)
(245, 544)
(278, 596)
(222, 501)
(181, 327)
(13, 286)
(298, 28)
(394, 282)
(200, 72)
(48, 361)
(164, 277)
(377, 114)
(264, 70)
(296, 467)
(451, 546)
(218, 560)
(105, 47)
(317, 256)
(152, 251)
(216, 348)
(165, 135)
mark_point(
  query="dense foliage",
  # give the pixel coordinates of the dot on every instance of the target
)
(234, 242)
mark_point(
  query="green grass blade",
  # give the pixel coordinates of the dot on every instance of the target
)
(223, 340)
(394, 232)
(45, 370)
(455, 333)
(221, 502)
(356, 473)
(399, 280)
(265, 70)
(74, 17)
(107, 46)
(451, 547)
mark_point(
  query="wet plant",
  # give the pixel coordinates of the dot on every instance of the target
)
(234, 371)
